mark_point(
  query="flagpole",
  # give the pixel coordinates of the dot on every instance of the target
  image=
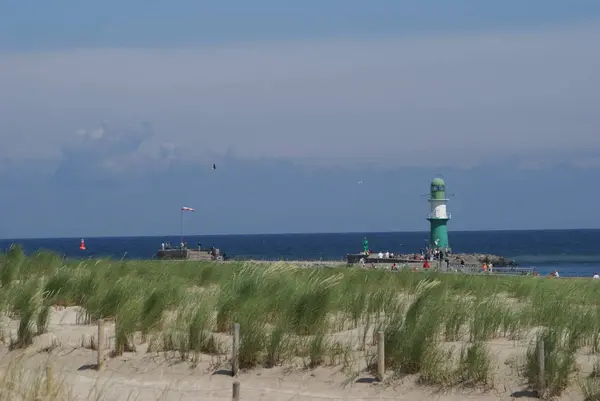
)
(181, 212)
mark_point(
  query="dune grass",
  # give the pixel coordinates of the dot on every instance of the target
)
(437, 326)
(19, 384)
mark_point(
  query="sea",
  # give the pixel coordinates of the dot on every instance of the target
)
(574, 253)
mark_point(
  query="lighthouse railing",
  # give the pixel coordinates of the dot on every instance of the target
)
(434, 216)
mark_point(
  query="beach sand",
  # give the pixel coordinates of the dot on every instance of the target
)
(147, 376)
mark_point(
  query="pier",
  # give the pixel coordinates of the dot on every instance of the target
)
(476, 269)
(473, 266)
(189, 254)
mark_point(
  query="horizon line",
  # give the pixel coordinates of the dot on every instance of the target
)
(297, 233)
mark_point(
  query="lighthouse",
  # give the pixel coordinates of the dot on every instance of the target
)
(438, 216)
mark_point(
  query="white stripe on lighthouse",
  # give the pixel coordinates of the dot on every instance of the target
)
(438, 209)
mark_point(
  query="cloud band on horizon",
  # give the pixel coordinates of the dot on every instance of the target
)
(469, 97)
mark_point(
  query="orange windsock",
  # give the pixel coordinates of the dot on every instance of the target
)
(82, 245)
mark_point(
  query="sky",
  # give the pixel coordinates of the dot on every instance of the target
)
(112, 114)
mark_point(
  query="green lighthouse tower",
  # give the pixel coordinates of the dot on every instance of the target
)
(438, 217)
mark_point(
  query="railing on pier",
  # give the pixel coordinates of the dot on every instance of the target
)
(433, 216)
(476, 269)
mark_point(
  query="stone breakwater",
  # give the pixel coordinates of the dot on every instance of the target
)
(455, 259)
(480, 258)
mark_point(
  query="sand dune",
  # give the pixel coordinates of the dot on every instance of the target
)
(146, 376)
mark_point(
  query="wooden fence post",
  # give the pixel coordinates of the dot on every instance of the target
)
(541, 367)
(236, 391)
(49, 380)
(380, 356)
(235, 357)
(100, 344)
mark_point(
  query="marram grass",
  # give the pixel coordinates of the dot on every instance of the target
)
(437, 326)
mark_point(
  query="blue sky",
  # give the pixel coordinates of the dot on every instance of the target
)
(111, 114)
(42, 25)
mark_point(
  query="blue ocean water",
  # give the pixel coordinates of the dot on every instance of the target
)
(572, 252)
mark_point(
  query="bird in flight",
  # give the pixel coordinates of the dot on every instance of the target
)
(214, 166)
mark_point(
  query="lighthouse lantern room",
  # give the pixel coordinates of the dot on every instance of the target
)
(438, 216)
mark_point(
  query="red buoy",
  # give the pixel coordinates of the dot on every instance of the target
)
(82, 245)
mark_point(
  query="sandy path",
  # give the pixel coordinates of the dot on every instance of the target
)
(123, 383)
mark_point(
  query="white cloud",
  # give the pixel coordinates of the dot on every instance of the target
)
(109, 151)
(416, 100)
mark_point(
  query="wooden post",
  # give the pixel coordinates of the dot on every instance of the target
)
(100, 344)
(49, 380)
(236, 391)
(380, 356)
(541, 367)
(235, 358)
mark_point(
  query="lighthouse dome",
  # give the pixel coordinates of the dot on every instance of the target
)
(437, 182)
